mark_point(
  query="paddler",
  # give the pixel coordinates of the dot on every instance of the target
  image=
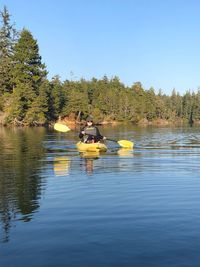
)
(90, 133)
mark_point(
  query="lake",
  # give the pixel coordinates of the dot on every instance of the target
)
(138, 207)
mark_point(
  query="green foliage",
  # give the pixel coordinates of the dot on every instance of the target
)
(38, 113)
(28, 74)
(76, 98)
(20, 101)
(8, 37)
(27, 67)
(56, 98)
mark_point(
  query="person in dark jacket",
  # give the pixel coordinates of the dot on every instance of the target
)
(90, 133)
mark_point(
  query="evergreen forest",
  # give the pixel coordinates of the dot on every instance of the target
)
(28, 97)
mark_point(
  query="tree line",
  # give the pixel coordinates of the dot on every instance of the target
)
(28, 97)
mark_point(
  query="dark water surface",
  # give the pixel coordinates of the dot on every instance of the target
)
(137, 207)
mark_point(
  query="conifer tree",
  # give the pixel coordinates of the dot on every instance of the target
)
(28, 73)
(76, 100)
(8, 36)
(38, 113)
(28, 67)
(56, 98)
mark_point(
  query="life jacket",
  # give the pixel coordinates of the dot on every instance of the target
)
(90, 130)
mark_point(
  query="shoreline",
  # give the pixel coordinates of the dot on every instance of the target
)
(73, 123)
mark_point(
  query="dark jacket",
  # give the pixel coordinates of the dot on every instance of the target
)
(92, 134)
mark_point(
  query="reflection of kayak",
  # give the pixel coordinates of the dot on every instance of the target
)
(93, 147)
(90, 154)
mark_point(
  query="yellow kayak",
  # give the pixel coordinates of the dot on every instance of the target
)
(93, 147)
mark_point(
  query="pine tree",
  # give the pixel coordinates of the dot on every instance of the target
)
(28, 67)
(56, 98)
(8, 37)
(38, 113)
(19, 102)
(76, 99)
(28, 73)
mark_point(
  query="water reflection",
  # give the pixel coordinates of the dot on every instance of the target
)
(29, 158)
(64, 165)
(20, 182)
(85, 161)
(88, 158)
(150, 193)
(125, 152)
(61, 166)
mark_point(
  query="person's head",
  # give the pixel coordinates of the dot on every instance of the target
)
(89, 120)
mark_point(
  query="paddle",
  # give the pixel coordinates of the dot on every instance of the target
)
(61, 127)
(64, 128)
(122, 143)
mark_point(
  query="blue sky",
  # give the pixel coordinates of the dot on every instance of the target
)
(156, 42)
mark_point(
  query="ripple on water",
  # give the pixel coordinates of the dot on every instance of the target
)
(135, 207)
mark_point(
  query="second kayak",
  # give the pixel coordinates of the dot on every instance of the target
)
(93, 147)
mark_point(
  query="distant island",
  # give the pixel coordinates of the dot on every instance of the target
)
(28, 98)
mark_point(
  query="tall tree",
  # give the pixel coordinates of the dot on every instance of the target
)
(38, 113)
(28, 73)
(77, 101)
(56, 98)
(28, 67)
(8, 36)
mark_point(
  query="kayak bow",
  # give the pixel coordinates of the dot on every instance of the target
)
(93, 147)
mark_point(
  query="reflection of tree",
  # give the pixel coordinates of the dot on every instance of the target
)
(7, 214)
(20, 185)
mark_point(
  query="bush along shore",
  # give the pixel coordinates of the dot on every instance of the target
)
(28, 98)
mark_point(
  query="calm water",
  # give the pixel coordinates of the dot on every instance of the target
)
(137, 207)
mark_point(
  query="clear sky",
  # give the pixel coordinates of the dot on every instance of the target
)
(156, 42)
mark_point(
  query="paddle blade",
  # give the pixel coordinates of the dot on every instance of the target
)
(61, 127)
(126, 143)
